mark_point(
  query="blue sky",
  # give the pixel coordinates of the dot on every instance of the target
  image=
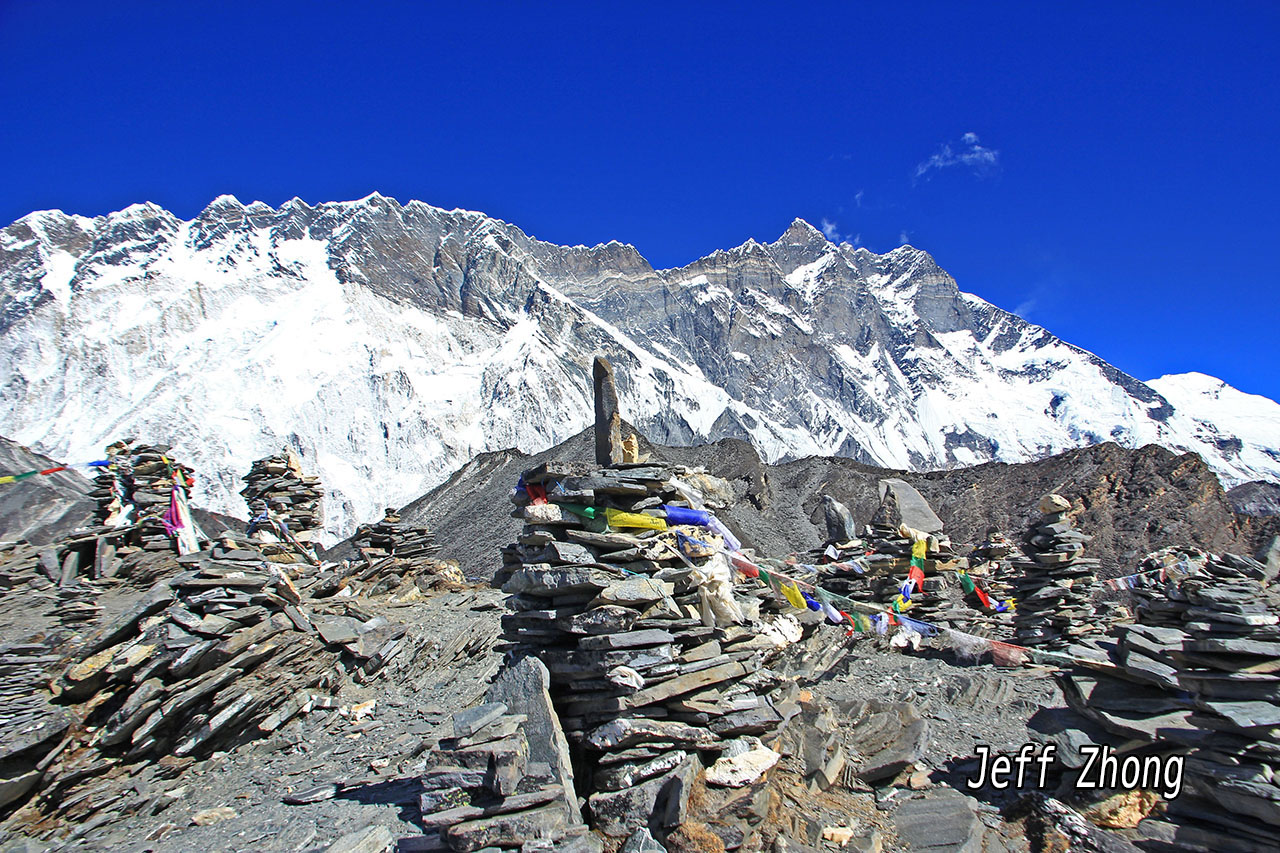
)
(1109, 170)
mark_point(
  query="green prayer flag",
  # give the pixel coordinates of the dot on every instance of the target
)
(581, 511)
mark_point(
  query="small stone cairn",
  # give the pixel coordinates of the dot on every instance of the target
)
(392, 537)
(136, 490)
(277, 486)
(1055, 592)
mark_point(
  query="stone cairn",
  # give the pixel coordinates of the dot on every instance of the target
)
(131, 499)
(1055, 591)
(873, 568)
(392, 537)
(1198, 675)
(991, 562)
(276, 486)
(219, 653)
(137, 489)
(842, 557)
(503, 779)
(395, 558)
(651, 670)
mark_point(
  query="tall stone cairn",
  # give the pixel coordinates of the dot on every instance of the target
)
(278, 481)
(645, 686)
(1055, 591)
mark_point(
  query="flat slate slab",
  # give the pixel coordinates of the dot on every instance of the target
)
(912, 507)
(945, 821)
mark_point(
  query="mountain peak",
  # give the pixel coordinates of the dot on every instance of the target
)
(225, 200)
(801, 232)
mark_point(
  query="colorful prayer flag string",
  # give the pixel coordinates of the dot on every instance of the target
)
(13, 478)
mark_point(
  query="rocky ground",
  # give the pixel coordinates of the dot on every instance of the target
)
(360, 774)
(235, 799)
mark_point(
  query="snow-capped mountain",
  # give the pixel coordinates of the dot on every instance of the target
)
(388, 344)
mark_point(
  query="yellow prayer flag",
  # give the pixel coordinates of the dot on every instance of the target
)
(919, 549)
(792, 592)
(7, 479)
(618, 518)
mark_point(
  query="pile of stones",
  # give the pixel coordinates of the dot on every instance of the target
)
(503, 777)
(994, 557)
(403, 579)
(991, 565)
(392, 537)
(136, 491)
(51, 572)
(1198, 676)
(1056, 588)
(221, 652)
(30, 727)
(656, 667)
(277, 486)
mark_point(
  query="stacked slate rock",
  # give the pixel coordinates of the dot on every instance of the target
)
(1056, 587)
(890, 561)
(1203, 682)
(30, 727)
(392, 537)
(138, 488)
(646, 691)
(278, 481)
(503, 777)
(991, 564)
(220, 650)
(997, 554)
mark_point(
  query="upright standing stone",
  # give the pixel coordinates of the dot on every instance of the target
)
(523, 687)
(608, 421)
(840, 525)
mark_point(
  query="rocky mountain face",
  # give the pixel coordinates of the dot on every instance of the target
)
(388, 344)
(41, 508)
(1256, 498)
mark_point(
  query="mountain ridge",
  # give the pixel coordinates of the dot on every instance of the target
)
(388, 344)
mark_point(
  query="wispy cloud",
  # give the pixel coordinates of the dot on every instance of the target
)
(832, 232)
(969, 153)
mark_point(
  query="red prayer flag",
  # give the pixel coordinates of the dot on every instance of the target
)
(1003, 654)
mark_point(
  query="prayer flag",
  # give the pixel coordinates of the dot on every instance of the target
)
(730, 541)
(618, 518)
(576, 509)
(684, 515)
(1004, 654)
(919, 548)
(792, 594)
